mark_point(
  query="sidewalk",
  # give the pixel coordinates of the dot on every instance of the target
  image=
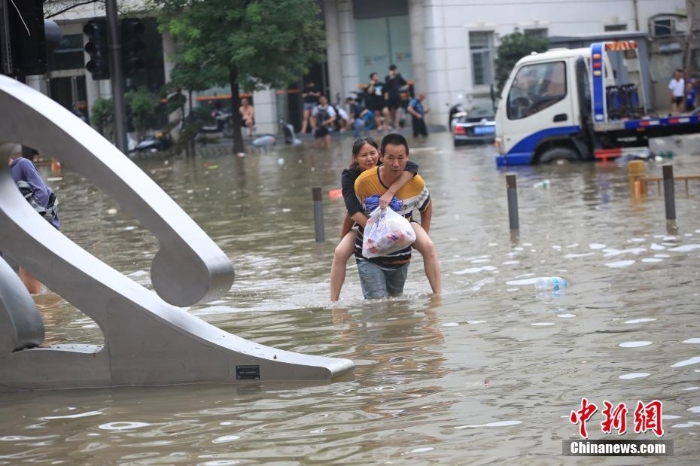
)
(224, 146)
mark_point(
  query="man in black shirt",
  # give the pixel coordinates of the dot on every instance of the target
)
(393, 83)
(376, 102)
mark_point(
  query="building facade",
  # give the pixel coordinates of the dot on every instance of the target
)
(446, 48)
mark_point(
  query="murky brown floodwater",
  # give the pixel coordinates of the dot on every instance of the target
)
(487, 374)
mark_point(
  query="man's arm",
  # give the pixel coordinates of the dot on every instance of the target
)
(31, 175)
(413, 111)
(332, 116)
(426, 216)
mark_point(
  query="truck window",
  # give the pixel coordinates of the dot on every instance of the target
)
(535, 88)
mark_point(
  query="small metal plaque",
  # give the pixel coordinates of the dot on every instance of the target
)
(247, 372)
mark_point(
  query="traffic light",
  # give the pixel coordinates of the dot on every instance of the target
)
(98, 48)
(133, 46)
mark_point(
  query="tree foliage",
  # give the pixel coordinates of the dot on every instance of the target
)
(143, 106)
(102, 114)
(512, 48)
(247, 44)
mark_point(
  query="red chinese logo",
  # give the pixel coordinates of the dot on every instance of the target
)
(615, 418)
(646, 417)
(582, 415)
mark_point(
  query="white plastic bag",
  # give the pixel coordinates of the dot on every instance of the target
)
(385, 233)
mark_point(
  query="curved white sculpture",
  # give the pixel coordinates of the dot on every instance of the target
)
(147, 340)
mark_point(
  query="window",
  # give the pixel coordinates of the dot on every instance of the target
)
(537, 32)
(664, 27)
(615, 27)
(481, 48)
(68, 54)
(535, 88)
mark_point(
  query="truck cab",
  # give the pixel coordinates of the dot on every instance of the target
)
(566, 105)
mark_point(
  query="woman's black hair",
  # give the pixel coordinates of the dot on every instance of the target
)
(358, 145)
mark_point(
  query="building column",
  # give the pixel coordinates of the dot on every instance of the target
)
(265, 103)
(335, 65)
(348, 49)
(168, 66)
(417, 25)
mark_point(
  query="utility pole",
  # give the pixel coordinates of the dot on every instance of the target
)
(692, 11)
(117, 77)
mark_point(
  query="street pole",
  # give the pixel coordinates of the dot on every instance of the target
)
(6, 52)
(117, 76)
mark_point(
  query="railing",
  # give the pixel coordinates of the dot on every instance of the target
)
(639, 185)
(639, 181)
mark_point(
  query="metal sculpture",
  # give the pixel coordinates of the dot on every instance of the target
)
(148, 340)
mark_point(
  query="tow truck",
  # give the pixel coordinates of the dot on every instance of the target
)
(568, 105)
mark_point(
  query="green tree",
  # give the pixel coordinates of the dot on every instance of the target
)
(102, 114)
(143, 106)
(247, 44)
(512, 48)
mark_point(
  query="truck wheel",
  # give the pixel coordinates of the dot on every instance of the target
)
(559, 155)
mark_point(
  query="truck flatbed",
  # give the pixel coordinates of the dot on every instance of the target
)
(622, 125)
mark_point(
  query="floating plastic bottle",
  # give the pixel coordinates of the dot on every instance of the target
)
(544, 184)
(550, 284)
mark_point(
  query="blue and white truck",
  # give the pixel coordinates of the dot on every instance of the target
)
(568, 105)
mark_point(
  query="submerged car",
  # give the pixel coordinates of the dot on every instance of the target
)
(477, 125)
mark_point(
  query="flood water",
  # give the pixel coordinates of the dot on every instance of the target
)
(487, 373)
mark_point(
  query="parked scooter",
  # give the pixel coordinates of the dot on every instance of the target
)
(222, 124)
(152, 143)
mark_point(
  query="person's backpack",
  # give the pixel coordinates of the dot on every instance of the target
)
(322, 115)
(49, 212)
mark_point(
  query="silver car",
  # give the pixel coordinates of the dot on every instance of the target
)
(474, 126)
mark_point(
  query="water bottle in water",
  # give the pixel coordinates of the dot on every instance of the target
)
(550, 284)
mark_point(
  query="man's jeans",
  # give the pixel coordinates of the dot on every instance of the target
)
(378, 282)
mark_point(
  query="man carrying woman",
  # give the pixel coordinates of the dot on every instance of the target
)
(365, 156)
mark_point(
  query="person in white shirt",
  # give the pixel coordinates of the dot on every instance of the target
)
(677, 87)
(322, 118)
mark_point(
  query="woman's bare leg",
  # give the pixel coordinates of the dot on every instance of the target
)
(30, 281)
(425, 246)
(305, 121)
(343, 252)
